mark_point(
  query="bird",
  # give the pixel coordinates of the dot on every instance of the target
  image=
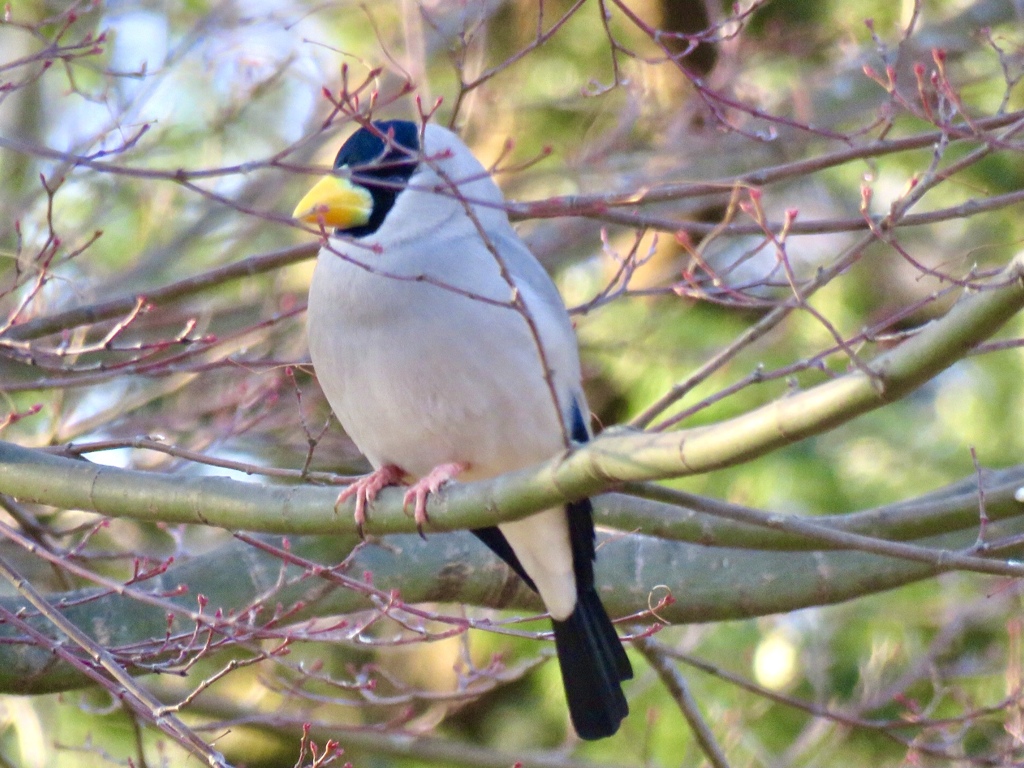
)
(445, 351)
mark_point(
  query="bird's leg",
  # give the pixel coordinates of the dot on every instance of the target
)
(366, 488)
(431, 483)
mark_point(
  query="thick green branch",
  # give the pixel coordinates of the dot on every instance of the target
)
(634, 572)
(666, 513)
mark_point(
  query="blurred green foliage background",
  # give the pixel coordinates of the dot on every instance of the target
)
(218, 89)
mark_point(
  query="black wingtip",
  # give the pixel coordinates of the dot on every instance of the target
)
(593, 665)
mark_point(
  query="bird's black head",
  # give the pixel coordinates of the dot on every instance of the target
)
(382, 161)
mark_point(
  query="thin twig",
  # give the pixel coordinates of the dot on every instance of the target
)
(676, 685)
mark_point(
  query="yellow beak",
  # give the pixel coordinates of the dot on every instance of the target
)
(337, 202)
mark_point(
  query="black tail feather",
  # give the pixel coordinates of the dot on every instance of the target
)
(593, 665)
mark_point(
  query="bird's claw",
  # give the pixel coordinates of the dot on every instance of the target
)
(422, 488)
(417, 496)
(365, 489)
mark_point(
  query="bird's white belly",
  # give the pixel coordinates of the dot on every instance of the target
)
(451, 379)
(420, 376)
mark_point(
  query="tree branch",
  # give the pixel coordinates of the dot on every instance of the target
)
(634, 573)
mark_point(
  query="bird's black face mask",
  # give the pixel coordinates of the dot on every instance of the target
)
(380, 166)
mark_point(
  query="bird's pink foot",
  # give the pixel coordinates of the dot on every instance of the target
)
(431, 483)
(366, 488)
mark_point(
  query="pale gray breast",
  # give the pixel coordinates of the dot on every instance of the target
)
(419, 375)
